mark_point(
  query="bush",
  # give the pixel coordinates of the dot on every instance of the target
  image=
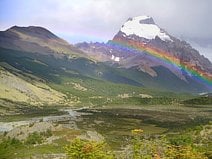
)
(34, 138)
(145, 147)
(5, 133)
(7, 145)
(83, 149)
(181, 140)
(47, 133)
(183, 152)
(10, 142)
(155, 148)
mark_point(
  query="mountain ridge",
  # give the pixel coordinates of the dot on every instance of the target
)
(105, 61)
(37, 40)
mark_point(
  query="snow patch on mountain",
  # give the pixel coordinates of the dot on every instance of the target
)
(144, 26)
(114, 58)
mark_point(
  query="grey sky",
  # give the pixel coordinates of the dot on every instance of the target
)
(100, 20)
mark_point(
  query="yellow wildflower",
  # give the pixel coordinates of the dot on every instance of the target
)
(137, 131)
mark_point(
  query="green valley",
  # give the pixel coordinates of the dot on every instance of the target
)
(60, 101)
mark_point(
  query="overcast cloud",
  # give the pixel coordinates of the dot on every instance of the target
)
(100, 20)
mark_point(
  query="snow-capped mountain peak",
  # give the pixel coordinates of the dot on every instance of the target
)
(145, 27)
(141, 45)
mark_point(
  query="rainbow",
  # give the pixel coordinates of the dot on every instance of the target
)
(196, 73)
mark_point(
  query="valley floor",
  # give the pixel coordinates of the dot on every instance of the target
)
(44, 132)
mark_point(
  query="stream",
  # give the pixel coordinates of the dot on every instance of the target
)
(115, 129)
(71, 115)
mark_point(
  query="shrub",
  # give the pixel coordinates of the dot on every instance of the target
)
(181, 140)
(34, 138)
(83, 149)
(145, 147)
(5, 133)
(7, 145)
(180, 147)
(47, 133)
(183, 152)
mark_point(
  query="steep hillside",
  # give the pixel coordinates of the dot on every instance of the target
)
(16, 89)
(53, 70)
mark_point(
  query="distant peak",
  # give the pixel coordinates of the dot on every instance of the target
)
(14, 27)
(34, 31)
(29, 28)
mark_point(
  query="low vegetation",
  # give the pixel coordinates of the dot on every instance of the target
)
(82, 149)
(199, 101)
(9, 146)
(142, 147)
(192, 143)
(38, 138)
